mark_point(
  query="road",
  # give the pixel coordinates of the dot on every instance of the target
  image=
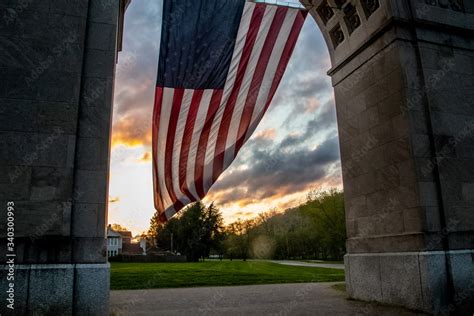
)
(271, 299)
(310, 264)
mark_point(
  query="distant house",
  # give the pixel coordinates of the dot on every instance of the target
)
(120, 242)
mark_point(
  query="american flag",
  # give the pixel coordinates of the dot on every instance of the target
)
(220, 64)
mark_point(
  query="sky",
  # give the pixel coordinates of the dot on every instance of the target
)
(294, 150)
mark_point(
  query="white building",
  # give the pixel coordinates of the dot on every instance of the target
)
(119, 242)
(114, 242)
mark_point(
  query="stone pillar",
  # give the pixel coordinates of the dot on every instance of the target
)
(403, 77)
(57, 63)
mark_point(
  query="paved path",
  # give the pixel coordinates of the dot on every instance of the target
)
(271, 299)
(310, 264)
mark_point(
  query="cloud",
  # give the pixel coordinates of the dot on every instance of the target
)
(136, 75)
(269, 133)
(146, 157)
(323, 122)
(278, 163)
(114, 199)
(274, 173)
(132, 130)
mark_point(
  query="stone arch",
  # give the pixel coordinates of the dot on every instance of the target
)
(395, 66)
(402, 72)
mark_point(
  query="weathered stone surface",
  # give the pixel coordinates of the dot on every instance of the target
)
(51, 289)
(56, 92)
(397, 273)
(20, 286)
(91, 291)
(89, 250)
(101, 36)
(89, 220)
(61, 289)
(91, 186)
(364, 277)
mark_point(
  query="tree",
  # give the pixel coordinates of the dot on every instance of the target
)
(118, 228)
(196, 231)
(313, 230)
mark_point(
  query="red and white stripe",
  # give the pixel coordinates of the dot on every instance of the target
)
(198, 133)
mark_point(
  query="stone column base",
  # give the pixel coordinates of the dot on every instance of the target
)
(416, 280)
(57, 289)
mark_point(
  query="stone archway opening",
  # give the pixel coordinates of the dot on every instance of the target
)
(403, 224)
(402, 77)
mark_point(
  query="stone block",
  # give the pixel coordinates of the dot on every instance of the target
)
(356, 207)
(44, 85)
(37, 116)
(448, 123)
(421, 145)
(461, 217)
(34, 149)
(433, 280)
(54, 115)
(387, 178)
(70, 7)
(404, 196)
(97, 93)
(383, 132)
(413, 220)
(21, 285)
(398, 150)
(366, 226)
(95, 122)
(37, 219)
(92, 153)
(15, 183)
(99, 63)
(462, 268)
(397, 275)
(104, 11)
(66, 30)
(89, 220)
(390, 106)
(418, 122)
(17, 115)
(364, 277)
(432, 219)
(369, 118)
(29, 23)
(91, 186)
(21, 5)
(51, 184)
(91, 289)
(101, 36)
(424, 168)
(407, 172)
(428, 194)
(465, 148)
(89, 250)
(51, 289)
(39, 248)
(468, 192)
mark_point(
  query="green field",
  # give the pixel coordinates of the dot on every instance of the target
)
(214, 273)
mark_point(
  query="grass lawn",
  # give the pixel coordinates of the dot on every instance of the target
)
(214, 273)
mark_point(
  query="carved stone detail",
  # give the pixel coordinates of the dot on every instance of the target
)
(370, 6)
(339, 3)
(337, 36)
(325, 12)
(351, 18)
(456, 5)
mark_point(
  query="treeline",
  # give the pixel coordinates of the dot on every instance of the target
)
(313, 230)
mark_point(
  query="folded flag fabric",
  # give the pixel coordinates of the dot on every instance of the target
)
(220, 64)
